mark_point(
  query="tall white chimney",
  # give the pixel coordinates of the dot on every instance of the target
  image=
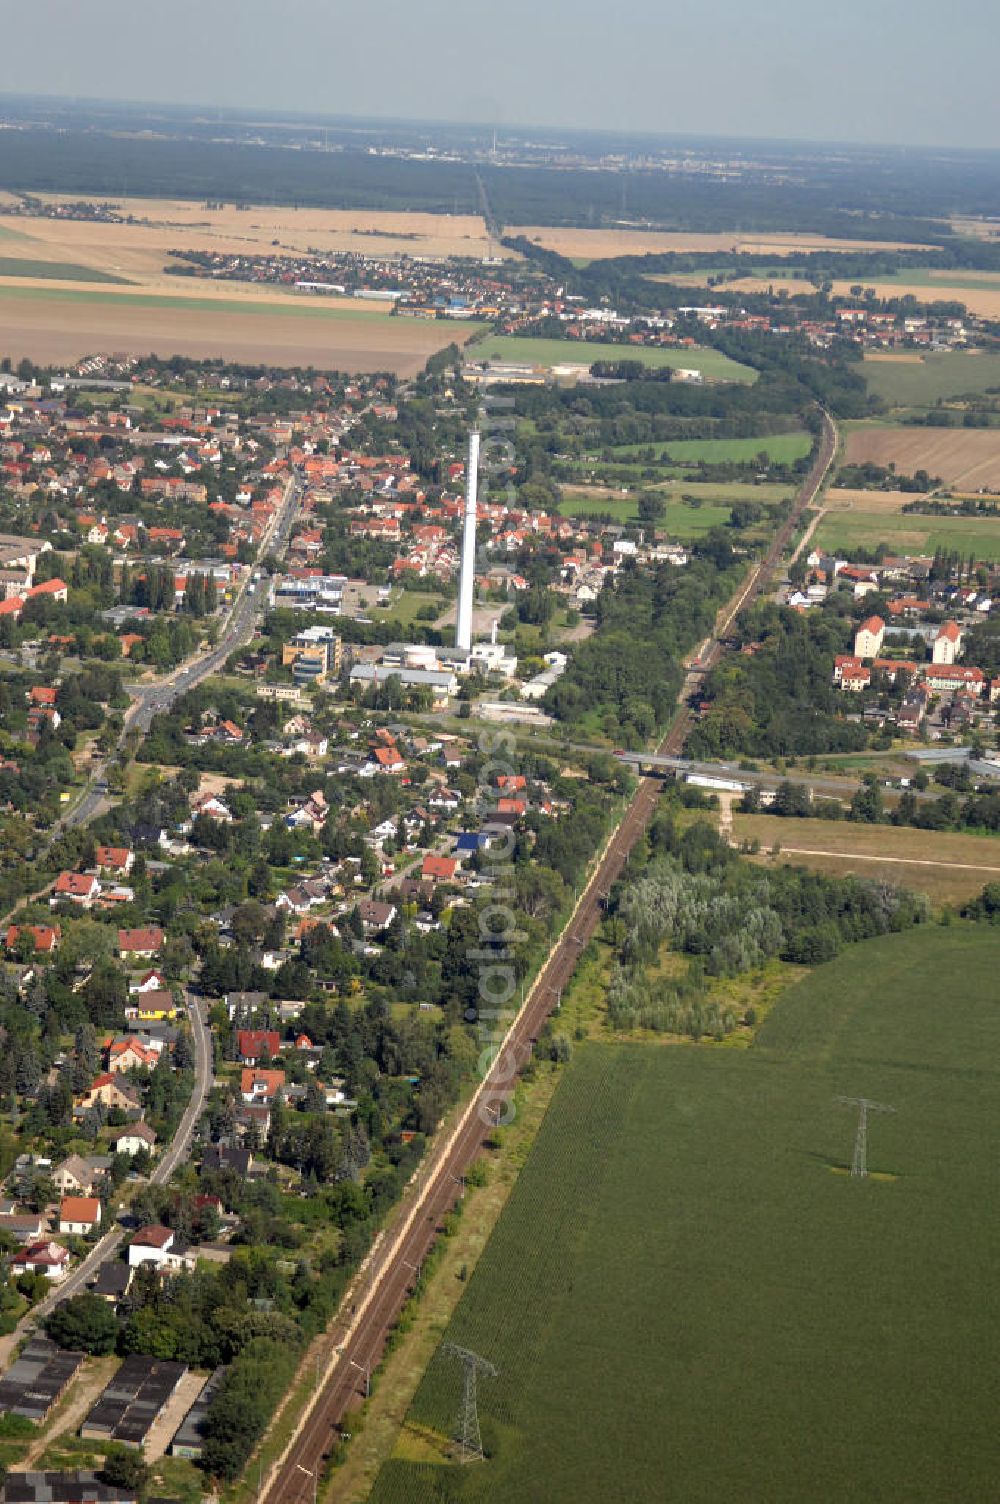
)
(467, 574)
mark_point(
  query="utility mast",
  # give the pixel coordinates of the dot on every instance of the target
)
(859, 1164)
(470, 1442)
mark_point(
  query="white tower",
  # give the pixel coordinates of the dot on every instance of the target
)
(467, 574)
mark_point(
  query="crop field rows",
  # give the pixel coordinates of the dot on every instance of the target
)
(687, 1296)
(46, 313)
(966, 458)
(842, 532)
(60, 326)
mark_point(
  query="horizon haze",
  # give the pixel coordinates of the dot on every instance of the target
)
(854, 76)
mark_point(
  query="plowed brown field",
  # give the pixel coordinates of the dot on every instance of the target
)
(967, 459)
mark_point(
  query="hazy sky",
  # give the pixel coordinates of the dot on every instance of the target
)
(850, 70)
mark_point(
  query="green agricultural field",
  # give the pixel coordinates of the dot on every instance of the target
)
(689, 1299)
(307, 308)
(783, 448)
(62, 271)
(919, 383)
(841, 532)
(942, 281)
(553, 352)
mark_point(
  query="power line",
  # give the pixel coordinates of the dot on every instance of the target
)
(470, 1442)
(859, 1164)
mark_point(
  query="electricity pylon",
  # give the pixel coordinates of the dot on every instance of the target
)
(470, 1443)
(859, 1164)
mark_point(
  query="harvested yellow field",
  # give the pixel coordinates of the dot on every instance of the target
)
(980, 296)
(847, 500)
(964, 457)
(59, 321)
(594, 244)
(791, 285)
(947, 866)
(141, 249)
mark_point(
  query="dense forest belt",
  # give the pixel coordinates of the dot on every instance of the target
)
(889, 196)
(353, 1354)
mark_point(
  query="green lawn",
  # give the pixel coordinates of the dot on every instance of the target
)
(62, 271)
(904, 383)
(689, 1299)
(404, 606)
(552, 352)
(840, 532)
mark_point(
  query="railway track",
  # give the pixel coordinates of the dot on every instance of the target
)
(355, 1349)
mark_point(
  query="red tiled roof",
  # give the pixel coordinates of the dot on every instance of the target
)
(150, 938)
(79, 1209)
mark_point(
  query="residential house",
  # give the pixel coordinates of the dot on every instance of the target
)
(954, 677)
(153, 981)
(260, 1086)
(134, 1139)
(159, 1246)
(151, 1007)
(76, 1176)
(387, 760)
(212, 808)
(132, 1054)
(255, 1044)
(47, 1257)
(850, 673)
(112, 1282)
(108, 1090)
(219, 1157)
(140, 944)
(23, 1227)
(76, 887)
(44, 938)
(79, 1214)
(374, 915)
(116, 859)
(438, 869)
